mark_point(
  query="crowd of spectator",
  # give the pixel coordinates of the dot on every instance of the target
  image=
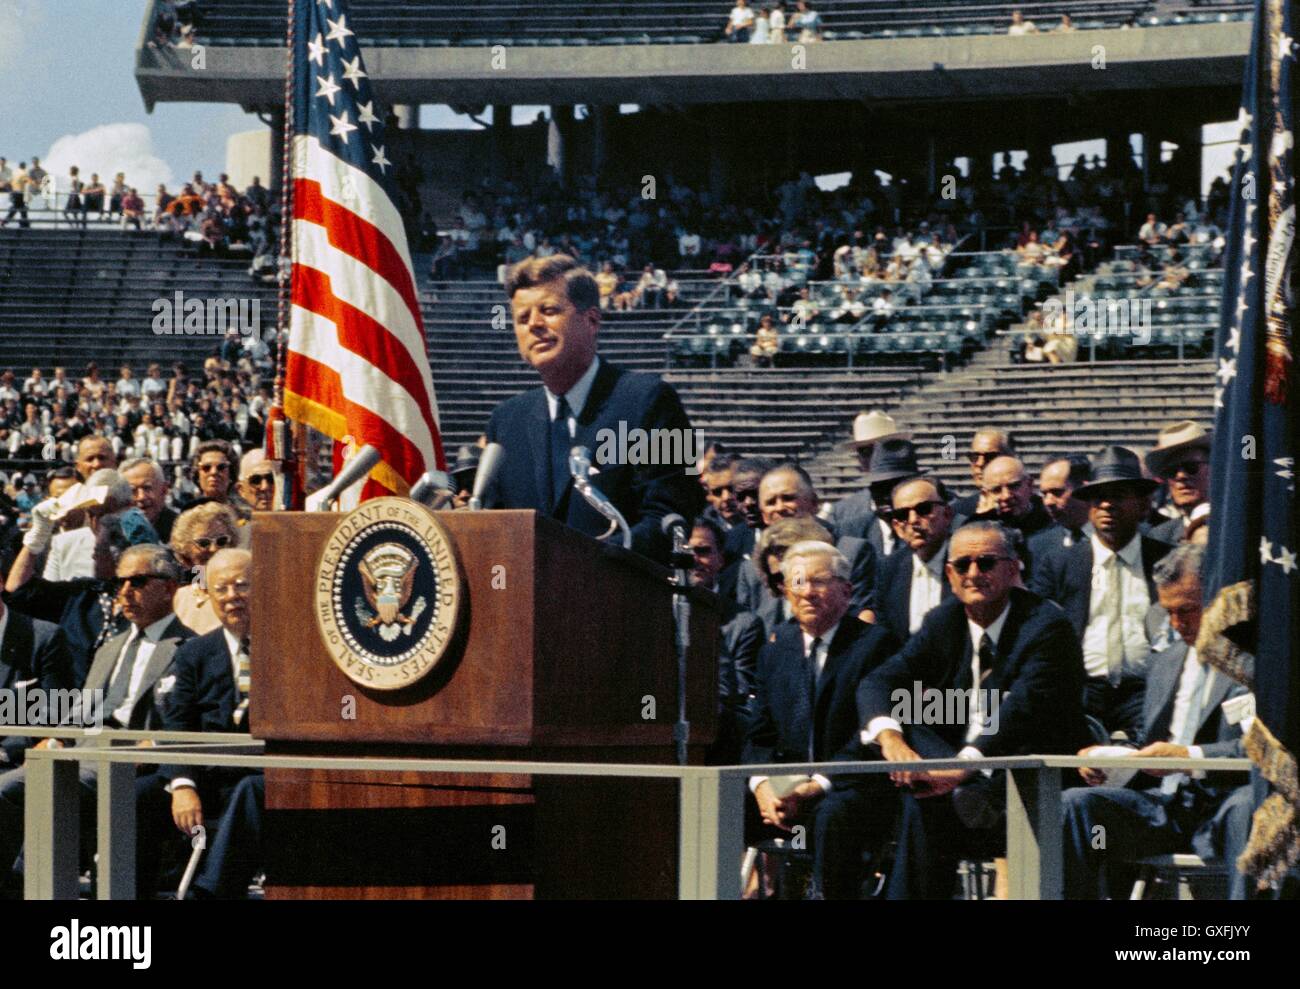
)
(43, 417)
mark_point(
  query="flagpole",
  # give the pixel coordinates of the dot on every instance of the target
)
(285, 439)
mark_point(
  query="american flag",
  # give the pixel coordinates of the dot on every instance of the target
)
(1252, 581)
(356, 367)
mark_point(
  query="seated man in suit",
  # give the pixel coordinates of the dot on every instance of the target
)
(987, 443)
(33, 658)
(1104, 585)
(122, 679)
(585, 401)
(912, 582)
(1010, 490)
(1182, 459)
(804, 711)
(787, 491)
(209, 692)
(1007, 663)
(856, 515)
(1060, 477)
(1184, 715)
(741, 637)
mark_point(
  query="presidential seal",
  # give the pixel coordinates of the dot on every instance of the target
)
(388, 593)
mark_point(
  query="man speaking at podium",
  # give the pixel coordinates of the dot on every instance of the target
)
(585, 401)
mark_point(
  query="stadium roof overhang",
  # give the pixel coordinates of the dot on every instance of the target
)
(894, 71)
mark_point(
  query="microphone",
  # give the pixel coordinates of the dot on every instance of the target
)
(489, 464)
(580, 469)
(354, 470)
(674, 527)
(433, 488)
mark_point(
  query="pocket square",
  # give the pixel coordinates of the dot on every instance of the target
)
(24, 684)
(165, 685)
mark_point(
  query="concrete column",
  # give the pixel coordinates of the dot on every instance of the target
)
(602, 120)
(501, 140)
(557, 140)
(275, 161)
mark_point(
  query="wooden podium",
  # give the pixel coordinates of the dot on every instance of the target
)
(564, 652)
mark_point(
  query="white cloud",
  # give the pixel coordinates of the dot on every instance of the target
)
(107, 150)
(18, 18)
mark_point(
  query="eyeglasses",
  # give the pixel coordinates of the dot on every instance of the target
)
(922, 509)
(203, 542)
(212, 468)
(813, 583)
(718, 492)
(257, 480)
(747, 494)
(981, 458)
(136, 581)
(1010, 486)
(985, 563)
(238, 587)
(1054, 492)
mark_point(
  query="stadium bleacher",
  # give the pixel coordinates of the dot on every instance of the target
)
(391, 23)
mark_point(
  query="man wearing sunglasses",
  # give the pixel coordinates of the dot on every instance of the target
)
(1013, 660)
(987, 443)
(257, 480)
(912, 582)
(1182, 458)
(122, 679)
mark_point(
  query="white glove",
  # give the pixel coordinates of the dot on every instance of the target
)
(41, 532)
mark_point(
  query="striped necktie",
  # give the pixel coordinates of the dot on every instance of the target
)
(242, 681)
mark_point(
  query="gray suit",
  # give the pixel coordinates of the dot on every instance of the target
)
(13, 784)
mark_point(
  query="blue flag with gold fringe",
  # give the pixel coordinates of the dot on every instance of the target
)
(1252, 570)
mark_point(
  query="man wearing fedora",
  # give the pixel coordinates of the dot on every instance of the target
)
(1181, 459)
(856, 515)
(1105, 586)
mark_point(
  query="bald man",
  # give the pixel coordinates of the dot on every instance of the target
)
(987, 443)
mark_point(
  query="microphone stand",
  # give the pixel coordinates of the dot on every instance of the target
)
(681, 562)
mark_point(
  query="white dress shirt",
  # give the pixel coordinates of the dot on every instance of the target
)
(887, 538)
(152, 634)
(1183, 706)
(1134, 603)
(975, 714)
(823, 651)
(575, 396)
(927, 587)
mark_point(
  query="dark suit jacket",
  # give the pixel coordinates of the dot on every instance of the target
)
(894, 593)
(856, 516)
(203, 696)
(1214, 735)
(144, 715)
(855, 651)
(742, 638)
(1169, 531)
(33, 655)
(1064, 575)
(643, 493)
(1038, 669)
(74, 606)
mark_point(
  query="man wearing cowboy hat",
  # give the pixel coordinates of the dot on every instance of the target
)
(1105, 586)
(856, 515)
(1181, 459)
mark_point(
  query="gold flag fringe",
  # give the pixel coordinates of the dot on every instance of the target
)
(1233, 605)
(1275, 836)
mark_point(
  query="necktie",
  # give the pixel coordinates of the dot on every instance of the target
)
(1187, 733)
(561, 443)
(1115, 629)
(812, 697)
(986, 659)
(120, 688)
(242, 681)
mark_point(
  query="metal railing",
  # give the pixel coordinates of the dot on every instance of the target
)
(711, 803)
